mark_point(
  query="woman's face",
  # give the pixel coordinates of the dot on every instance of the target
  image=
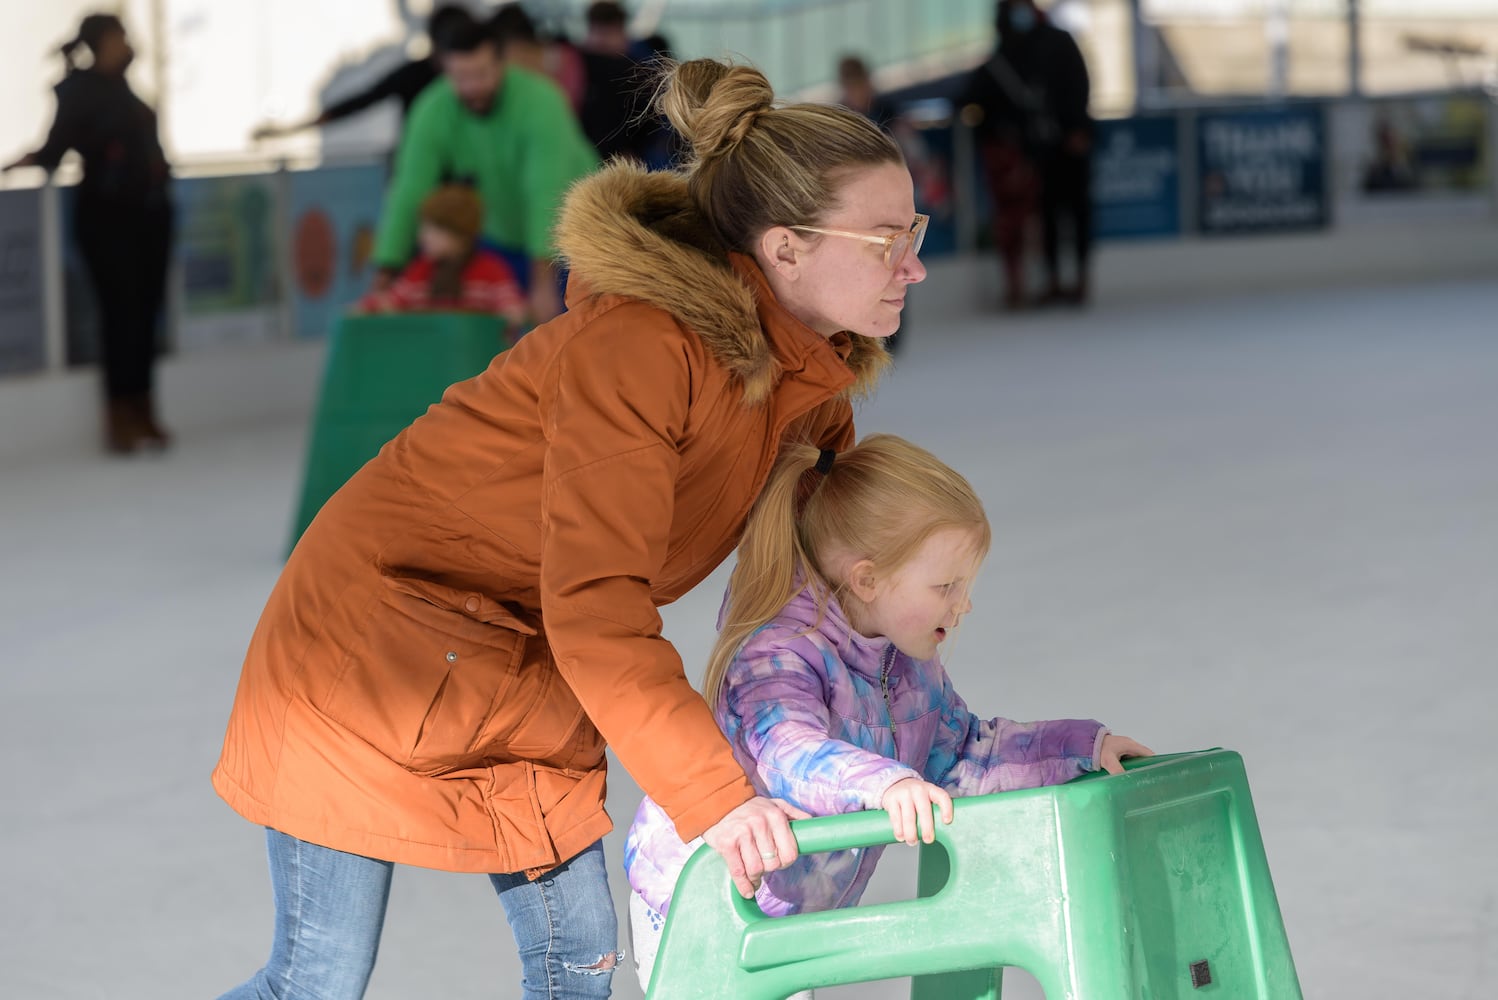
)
(836, 283)
(115, 54)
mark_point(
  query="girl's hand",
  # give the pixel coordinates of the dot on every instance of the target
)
(908, 802)
(1115, 748)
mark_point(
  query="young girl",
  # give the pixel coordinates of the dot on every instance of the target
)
(853, 569)
(452, 273)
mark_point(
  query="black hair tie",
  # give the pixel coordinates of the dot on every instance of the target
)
(824, 461)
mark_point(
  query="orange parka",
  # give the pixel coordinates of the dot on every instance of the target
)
(473, 616)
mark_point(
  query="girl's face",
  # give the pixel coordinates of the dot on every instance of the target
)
(836, 283)
(920, 603)
(439, 244)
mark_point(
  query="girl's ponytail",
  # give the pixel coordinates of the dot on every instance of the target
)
(67, 50)
(92, 32)
(770, 555)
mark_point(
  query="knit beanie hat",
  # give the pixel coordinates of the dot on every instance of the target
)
(456, 208)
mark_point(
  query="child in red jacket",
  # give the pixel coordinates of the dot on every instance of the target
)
(452, 273)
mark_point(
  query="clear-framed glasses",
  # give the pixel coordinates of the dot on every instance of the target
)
(896, 245)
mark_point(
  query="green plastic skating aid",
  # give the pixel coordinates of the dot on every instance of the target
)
(383, 371)
(1150, 885)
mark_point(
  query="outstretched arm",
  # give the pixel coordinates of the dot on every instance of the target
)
(973, 756)
(418, 169)
(64, 134)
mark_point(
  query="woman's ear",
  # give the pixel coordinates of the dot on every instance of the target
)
(863, 582)
(779, 247)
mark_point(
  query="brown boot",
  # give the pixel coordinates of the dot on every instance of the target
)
(123, 429)
(152, 433)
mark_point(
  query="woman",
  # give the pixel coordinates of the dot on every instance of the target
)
(469, 621)
(123, 219)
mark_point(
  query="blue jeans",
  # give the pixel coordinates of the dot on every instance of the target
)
(330, 909)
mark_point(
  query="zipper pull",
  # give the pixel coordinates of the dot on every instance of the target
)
(889, 710)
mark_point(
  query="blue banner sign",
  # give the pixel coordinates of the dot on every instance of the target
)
(1136, 178)
(1262, 170)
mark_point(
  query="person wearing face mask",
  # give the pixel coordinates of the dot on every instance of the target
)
(1028, 104)
(123, 220)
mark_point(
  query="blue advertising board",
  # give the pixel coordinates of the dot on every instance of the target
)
(1262, 170)
(23, 335)
(1136, 178)
(334, 213)
(226, 253)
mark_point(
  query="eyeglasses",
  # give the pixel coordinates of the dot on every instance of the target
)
(896, 245)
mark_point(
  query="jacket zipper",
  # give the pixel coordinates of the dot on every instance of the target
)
(885, 667)
(889, 711)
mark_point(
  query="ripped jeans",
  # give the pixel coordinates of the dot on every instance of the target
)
(330, 909)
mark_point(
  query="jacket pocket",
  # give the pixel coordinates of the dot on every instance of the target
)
(422, 679)
(540, 719)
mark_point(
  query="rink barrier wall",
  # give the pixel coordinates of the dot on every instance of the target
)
(247, 384)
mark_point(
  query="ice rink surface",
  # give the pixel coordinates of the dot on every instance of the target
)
(1268, 523)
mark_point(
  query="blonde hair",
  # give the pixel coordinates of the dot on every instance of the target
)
(880, 501)
(756, 164)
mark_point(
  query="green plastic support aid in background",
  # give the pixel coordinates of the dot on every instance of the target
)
(382, 372)
(1150, 884)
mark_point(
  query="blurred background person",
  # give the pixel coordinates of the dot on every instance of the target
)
(1028, 105)
(521, 43)
(510, 133)
(452, 273)
(1390, 168)
(1066, 168)
(856, 92)
(616, 114)
(122, 218)
(606, 29)
(404, 83)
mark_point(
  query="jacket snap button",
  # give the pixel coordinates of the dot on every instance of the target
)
(452, 657)
(472, 604)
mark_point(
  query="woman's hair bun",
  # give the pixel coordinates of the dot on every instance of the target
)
(714, 104)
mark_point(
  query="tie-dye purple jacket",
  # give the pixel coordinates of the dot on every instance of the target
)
(807, 716)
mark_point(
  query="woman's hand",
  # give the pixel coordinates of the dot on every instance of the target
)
(1115, 748)
(909, 803)
(755, 838)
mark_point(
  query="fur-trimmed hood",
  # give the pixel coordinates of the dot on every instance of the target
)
(632, 232)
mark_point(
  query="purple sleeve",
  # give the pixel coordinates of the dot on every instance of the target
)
(973, 756)
(777, 712)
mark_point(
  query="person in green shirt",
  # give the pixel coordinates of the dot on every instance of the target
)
(511, 134)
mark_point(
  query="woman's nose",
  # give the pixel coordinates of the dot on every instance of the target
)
(911, 268)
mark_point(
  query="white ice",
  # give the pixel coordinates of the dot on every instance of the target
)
(1268, 523)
